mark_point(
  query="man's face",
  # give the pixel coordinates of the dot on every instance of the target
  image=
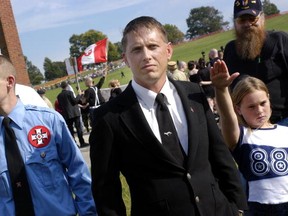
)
(250, 36)
(147, 54)
(6, 86)
(3, 89)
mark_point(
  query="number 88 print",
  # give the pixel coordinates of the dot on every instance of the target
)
(261, 163)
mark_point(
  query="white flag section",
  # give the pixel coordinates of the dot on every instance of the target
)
(88, 57)
(69, 66)
(95, 53)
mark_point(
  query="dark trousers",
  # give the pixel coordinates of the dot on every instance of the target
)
(76, 122)
(91, 115)
(86, 120)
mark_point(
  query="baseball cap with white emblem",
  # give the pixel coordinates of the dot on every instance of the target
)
(251, 7)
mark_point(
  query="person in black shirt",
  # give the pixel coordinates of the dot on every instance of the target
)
(92, 95)
(70, 111)
(261, 54)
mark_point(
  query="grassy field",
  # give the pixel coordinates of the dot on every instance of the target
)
(192, 50)
(187, 51)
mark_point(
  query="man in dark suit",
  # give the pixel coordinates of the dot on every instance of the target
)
(126, 137)
(68, 103)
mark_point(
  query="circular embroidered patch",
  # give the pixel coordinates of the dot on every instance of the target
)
(39, 136)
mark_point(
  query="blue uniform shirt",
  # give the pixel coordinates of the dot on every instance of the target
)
(58, 176)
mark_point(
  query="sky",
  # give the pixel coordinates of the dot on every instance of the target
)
(45, 27)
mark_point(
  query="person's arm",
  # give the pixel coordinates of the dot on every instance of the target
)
(74, 100)
(83, 106)
(228, 119)
(85, 97)
(76, 169)
(101, 82)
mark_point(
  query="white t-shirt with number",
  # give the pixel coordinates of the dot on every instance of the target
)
(262, 157)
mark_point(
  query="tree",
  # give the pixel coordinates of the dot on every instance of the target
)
(174, 34)
(34, 73)
(118, 46)
(113, 52)
(54, 70)
(204, 20)
(269, 8)
(80, 42)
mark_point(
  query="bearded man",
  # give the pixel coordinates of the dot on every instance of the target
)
(259, 53)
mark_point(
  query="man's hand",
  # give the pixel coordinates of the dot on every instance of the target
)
(80, 92)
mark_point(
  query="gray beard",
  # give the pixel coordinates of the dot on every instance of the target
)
(249, 42)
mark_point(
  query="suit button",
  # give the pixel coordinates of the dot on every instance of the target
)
(188, 176)
(197, 199)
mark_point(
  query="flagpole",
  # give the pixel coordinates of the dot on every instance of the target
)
(72, 60)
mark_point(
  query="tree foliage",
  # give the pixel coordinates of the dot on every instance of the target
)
(204, 20)
(269, 8)
(174, 34)
(54, 70)
(80, 42)
(34, 73)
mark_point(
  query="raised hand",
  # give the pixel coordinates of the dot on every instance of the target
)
(219, 75)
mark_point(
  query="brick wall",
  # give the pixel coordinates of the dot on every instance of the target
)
(10, 43)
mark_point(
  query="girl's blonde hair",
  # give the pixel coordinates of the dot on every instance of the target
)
(242, 88)
(114, 83)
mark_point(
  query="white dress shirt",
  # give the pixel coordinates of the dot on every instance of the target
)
(146, 99)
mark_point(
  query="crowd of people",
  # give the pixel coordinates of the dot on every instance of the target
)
(196, 138)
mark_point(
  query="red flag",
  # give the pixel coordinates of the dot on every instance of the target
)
(95, 53)
(79, 64)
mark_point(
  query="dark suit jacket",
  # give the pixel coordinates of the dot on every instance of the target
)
(68, 104)
(122, 141)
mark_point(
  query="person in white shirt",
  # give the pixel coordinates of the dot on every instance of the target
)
(29, 96)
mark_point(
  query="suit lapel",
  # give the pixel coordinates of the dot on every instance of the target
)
(137, 124)
(191, 118)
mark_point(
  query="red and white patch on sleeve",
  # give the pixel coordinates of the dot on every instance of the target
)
(39, 136)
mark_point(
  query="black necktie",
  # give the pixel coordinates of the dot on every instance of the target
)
(167, 130)
(20, 187)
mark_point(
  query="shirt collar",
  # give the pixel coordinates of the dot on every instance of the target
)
(167, 90)
(17, 114)
(148, 97)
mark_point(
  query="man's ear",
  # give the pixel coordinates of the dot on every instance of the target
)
(10, 81)
(125, 59)
(169, 50)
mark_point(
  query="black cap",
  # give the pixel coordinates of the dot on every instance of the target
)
(251, 7)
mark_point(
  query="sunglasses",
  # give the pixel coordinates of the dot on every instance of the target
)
(251, 19)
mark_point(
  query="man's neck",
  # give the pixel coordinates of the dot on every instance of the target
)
(8, 105)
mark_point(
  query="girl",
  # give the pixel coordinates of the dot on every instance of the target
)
(259, 147)
(115, 89)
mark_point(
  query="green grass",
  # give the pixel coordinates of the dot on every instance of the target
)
(186, 51)
(52, 94)
(192, 50)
